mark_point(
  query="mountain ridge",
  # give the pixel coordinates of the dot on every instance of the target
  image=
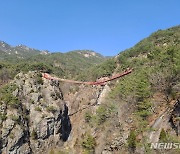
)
(23, 50)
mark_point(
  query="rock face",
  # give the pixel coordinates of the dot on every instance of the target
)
(39, 119)
(106, 89)
(39, 122)
(175, 117)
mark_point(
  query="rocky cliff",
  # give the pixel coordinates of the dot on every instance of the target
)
(38, 120)
(36, 112)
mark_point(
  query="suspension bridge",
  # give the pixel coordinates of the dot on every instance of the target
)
(100, 82)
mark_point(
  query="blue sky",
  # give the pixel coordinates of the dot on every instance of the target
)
(105, 26)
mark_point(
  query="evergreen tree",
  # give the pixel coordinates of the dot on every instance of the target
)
(132, 141)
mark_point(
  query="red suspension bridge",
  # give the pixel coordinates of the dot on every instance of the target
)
(101, 82)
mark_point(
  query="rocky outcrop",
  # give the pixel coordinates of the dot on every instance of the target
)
(102, 94)
(40, 121)
(115, 145)
(175, 117)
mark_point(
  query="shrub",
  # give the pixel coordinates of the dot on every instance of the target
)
(51, 109)
(12, 135)
(163, 136)
(88, 117)
(7, 96)
(3, 117)
(15, 119)
(104, 112)
(39, 79)
(37, 108)
(14, 102)
(34, 134)
(88, 142)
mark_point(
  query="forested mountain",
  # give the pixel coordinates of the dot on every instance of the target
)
(19, 52)
(23, 58)
(126, 115)
(158, 48)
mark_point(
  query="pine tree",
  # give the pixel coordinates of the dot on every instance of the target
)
(132, 141)
(163, 136)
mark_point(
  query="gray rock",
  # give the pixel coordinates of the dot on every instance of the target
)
(9, 126)
(38, 128)
(175, 117)
(36, 97)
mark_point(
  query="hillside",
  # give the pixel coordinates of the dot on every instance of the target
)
(13, 60)
(149, 93)
(69, 64)
(126, 115)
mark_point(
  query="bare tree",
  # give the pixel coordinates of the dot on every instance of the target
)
(4, 75)
(164, 81)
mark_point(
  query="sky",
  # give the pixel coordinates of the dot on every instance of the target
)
(105, 26)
